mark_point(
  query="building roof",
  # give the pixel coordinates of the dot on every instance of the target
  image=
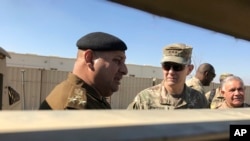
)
(4, 53)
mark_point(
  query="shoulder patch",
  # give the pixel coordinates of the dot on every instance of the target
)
(77, 100)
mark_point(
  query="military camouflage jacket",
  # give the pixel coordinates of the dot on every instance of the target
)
(216, 99)
(74, 93)
(195, 84)
(157, 97)
(224, 105)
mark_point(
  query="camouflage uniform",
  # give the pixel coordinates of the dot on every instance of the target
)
(224, 105)
(156, 97)
(74, 93)
(195, 83)
(214, 98)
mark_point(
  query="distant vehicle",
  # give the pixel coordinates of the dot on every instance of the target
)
(9, 97)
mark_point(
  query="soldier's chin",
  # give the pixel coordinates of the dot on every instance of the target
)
(117, 82)
(108, 94)
(115, 88)
(238, 103)
(171, 83)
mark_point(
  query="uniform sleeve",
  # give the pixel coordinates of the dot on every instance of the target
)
(207, 94)
(139, 103)
(199, 89)
(197, 99)
(204, 99)
(134, 106)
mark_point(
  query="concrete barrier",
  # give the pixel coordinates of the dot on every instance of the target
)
(120, 125)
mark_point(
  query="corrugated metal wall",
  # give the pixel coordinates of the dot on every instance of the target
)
(130, 86)
(35, 84)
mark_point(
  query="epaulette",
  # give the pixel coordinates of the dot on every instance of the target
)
(77, 99)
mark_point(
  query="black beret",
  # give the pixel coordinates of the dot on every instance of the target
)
(100, 41)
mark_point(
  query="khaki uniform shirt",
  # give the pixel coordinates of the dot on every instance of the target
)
(217, 98)
(157, 97)
(74, 93)
(196, 84)
(224, 105)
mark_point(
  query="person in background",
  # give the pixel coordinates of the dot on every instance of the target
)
(172, 92)
(214, 97)
(203, 77)
(233, 91)
(97, 72)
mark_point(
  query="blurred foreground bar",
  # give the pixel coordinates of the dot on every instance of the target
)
(120, 125)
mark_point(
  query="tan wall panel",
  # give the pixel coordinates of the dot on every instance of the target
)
(37, 84)
(129, 87)
(50, 78)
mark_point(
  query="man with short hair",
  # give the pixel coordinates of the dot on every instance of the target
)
(172, 92)
(233, 90)
(214, 97)
(203, 77)
(98, 70)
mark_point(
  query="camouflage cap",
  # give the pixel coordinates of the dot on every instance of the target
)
(178, 53)
(224, 75)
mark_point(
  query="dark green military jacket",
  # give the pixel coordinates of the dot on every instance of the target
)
(74, 93)
(157, 97)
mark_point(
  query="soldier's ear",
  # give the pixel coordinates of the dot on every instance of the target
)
(190, 69)
(206, 73)
(89, 57)
(222, 92)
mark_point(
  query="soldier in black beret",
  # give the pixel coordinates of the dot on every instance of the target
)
(98, 70)
(99, 41)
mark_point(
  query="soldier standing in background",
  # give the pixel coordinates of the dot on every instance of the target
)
(214, 97)
(203, 77)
